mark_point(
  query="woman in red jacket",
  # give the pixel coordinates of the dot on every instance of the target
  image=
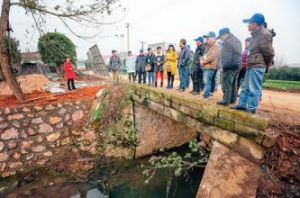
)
(69, 73)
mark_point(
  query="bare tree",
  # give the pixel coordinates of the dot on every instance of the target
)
(87, 13)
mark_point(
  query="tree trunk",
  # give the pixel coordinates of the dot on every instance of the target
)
(7, 73)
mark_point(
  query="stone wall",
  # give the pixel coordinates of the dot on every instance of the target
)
(31, 135)
(155, 131)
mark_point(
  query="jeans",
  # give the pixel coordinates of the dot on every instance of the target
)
(252, 88)
(207, 78)
(184, 77)
(229, 86)
(241, 77)
(197, 80)
(213, 81)
(150, 78)
(142, 77)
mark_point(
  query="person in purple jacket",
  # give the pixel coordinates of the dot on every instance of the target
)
(244, 63)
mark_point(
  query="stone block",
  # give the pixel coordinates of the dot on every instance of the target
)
(1, 146)
(225, 137)
(78, 115)
(249, 149)
(53, 137)
(37, 120)
(9, 134)
(224, 124)
(269, 140)
(4, 156)
(15, 117)
(38, 149)
(250, 120)
(54, 120)
(45, 128)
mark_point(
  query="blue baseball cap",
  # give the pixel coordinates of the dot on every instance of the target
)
(210, 34)
(223, 31)
(199, 39)
(257, 18)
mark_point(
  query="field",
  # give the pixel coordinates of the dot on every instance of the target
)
(282, 84)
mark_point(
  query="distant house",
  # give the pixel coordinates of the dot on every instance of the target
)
(31, 57)
(32, 63)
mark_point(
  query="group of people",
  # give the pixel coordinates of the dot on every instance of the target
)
(224, 53)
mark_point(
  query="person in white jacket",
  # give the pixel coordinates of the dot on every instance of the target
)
(130, 65)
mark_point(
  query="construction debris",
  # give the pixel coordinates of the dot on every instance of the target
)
(28, 84)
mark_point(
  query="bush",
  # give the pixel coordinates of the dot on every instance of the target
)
(284, 73)
(54, 47)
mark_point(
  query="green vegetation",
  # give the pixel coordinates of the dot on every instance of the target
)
(54, 47)
(178, 164)
(284, 73)
(12, 45)
(98, 112)
(282, 84)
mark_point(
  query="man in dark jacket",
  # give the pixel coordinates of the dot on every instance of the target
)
(183, 65)
(196, 67)
(140, 65)
(231, 57)
(150, 64)
(260, 57)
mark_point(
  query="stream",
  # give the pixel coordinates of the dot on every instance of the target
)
(121, 180)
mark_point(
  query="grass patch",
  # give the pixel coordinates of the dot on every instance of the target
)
(282, 84)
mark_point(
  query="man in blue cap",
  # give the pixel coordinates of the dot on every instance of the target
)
(209, 61)
(231, 57)
(196, 67)
(260, 57)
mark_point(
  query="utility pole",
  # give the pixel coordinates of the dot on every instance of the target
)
(143, 42)
(128, 47)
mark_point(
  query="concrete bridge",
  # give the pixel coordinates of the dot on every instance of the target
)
(166, 120)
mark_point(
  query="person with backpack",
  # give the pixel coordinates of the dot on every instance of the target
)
(159, 60)
(260, 57)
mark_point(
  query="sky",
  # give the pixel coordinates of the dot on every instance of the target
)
(170, 20)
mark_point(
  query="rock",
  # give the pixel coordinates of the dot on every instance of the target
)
(45, 128)
(15, 165)
(62, 111)
(65, 141)
(9, 134)
(41, 162)
(38, 120)
(60, 125)
(25, 123)
(26, 144)
(15, 117)
(67, 117)
(2, 126)
(78, 115)
(100, 93)
(16, 124)
(48, 153)
(53, 137)
(76, 132)
(30, 156)
(39, 139)
(25, 109)
(91, 135)
(54, 120)
(23, 134)
(1, 146)
(3, 157)
(7, 110)
(12, 145)
(38, 108)
(38, 149)
(30, 131)
(50, 107)
(17, 156)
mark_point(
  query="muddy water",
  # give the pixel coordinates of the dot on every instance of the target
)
(121, 180)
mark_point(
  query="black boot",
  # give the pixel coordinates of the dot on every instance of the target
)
(155, 84)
